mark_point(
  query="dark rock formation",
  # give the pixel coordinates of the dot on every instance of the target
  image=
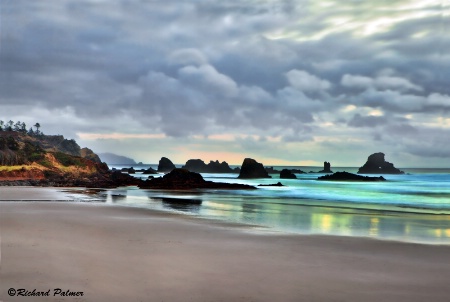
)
(271, 170)
(165, 165)
(376, 164)
(286, 173)
(297, 171)
(278, 184)
(216, 167)
(252, 169)
(345, 176)
(128, 170)
(182, 179)
(326, 168)
(150, 170)
(197, 165)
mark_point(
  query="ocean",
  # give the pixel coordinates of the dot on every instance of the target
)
(413, 207)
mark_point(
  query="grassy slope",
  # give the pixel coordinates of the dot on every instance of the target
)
(38, 155)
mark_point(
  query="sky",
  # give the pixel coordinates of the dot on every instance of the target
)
(284, 82)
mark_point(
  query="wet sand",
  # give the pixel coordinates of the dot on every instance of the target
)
(113, 253)
(33, 194)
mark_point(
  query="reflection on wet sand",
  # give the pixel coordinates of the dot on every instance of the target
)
(288, 215)
(181, 204)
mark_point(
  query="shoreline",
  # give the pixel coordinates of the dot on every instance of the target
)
(321, 212)
(116, 253)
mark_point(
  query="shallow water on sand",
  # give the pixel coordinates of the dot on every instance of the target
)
(413, 207)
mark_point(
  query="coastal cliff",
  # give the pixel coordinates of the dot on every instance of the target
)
(52, 160)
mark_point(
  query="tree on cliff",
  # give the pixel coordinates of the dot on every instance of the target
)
(9, 125)
(37, 125)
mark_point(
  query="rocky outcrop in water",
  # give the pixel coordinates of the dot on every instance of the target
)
(130, 170)
(287, 174)
(217, 167)
(252, 169)
(165, 165)
(345, 176)
(271, 170)
(150, 170)
(326, 168)
(182, 179)
(199, 166)
(376, 164)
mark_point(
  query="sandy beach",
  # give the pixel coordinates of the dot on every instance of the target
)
(112, 253)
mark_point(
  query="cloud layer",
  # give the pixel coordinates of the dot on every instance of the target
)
(298, 79)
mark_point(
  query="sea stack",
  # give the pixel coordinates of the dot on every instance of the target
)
(165, 165)
(326, 168)
(376, 164)
(252, 169)
(199, 166)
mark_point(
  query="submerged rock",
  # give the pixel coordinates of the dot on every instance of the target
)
(376, 164)
(345, 176)
(252, 169)
(182, 179)
(271, 170)
(278, 184)
(165, 165)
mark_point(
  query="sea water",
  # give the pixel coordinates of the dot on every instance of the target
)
(412, 207)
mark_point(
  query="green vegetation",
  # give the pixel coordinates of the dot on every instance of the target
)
(68, 160)
(45, 162)
(22, 148)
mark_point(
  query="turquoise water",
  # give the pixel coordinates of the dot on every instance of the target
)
(414, 207)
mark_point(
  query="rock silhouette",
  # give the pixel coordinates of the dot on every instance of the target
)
(345, 176)
(199, 166)
(287, 174)
(165, 165)
(150, 170)
(182, 179)
(326, 168)
(252, 169)
(376, 164)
